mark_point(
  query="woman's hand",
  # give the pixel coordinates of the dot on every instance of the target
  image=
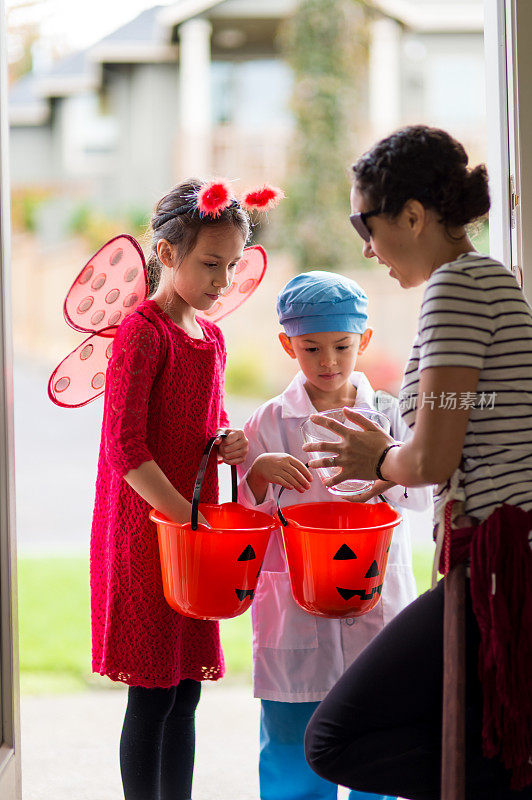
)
(357, 452)
(279, 468)
(234, 447)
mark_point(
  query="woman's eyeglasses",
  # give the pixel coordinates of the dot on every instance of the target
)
(358, 221)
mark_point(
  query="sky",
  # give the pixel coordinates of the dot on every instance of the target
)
(79, 23)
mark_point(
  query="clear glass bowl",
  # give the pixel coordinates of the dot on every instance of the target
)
(315, 433)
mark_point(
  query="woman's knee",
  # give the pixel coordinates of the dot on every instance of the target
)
(321, 747)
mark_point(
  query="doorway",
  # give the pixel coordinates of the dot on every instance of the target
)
(10, 779)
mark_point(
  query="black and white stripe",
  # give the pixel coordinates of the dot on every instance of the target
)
(475, 315)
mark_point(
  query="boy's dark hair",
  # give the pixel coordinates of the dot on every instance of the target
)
(425, 164)
(183, 230)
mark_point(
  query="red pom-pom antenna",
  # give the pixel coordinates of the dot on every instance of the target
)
(213, 198)
(262, 199)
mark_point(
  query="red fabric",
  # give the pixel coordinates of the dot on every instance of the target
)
(501, 592)
(163, 400)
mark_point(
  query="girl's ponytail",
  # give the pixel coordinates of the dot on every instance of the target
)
(153, 270)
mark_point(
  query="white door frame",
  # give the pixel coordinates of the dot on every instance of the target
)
(507, 30)
(498, 128)
(518, 31)
(10, 773)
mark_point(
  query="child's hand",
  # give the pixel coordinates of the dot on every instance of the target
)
(234, 447)
(280, 468)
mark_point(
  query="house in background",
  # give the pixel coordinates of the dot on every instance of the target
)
(169, 94)
(427, 65)
(200, 87)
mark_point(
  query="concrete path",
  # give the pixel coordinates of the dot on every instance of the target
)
(70, 745)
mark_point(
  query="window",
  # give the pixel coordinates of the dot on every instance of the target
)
(250, 93)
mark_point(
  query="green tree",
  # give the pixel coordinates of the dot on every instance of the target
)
(326, 44)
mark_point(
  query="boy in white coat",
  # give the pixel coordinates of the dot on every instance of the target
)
(298, 657)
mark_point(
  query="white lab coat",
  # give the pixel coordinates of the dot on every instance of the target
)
(298, 657)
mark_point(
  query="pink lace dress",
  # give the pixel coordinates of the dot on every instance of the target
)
(163, 400)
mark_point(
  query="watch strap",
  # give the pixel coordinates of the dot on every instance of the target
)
(381, 461)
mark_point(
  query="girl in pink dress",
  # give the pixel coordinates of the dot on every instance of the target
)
(163, 401)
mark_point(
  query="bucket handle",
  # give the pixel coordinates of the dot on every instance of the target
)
(200, 476)
(282, 518)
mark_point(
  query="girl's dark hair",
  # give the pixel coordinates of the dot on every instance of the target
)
(183, 230)
(425, 164)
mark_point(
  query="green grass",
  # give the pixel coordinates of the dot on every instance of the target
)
(422, 563)
(54, 625)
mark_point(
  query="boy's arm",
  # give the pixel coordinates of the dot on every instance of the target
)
(280, 469)
(263, 470)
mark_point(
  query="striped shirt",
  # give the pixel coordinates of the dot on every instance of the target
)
(475, 315)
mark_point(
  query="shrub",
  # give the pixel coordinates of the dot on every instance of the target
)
(244, 375)
(328, 53)
(24, 207)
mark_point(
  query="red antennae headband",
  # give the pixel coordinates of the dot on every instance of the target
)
(263, 198)
(215, 196)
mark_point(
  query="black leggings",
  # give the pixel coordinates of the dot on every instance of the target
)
(157, 742)
(379, 728)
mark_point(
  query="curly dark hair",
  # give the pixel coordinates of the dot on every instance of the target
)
(425, 164)
(183, 230)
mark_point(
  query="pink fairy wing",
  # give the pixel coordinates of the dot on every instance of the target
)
(109, 287)
(114, 282)
(248, 274)
(80, 377)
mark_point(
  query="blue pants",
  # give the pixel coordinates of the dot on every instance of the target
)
(283, 771)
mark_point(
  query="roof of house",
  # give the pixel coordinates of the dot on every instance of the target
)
(29, 96)
(26, 107)
(75, 73)
(140, 39)
(146, 38)
(149, 38)
(143, 28)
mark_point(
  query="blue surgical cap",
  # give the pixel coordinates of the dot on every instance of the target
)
(322, 301)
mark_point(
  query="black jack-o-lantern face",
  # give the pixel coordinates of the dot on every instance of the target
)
(211, 573)
(337, 554)
(346, 553)
(247, 554)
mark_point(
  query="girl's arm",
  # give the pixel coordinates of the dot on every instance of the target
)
(433, 453)
(130, 375)
(234, 447)
(150, 482)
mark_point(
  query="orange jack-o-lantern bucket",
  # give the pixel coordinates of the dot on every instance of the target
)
(337, 554)
(212, 573)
